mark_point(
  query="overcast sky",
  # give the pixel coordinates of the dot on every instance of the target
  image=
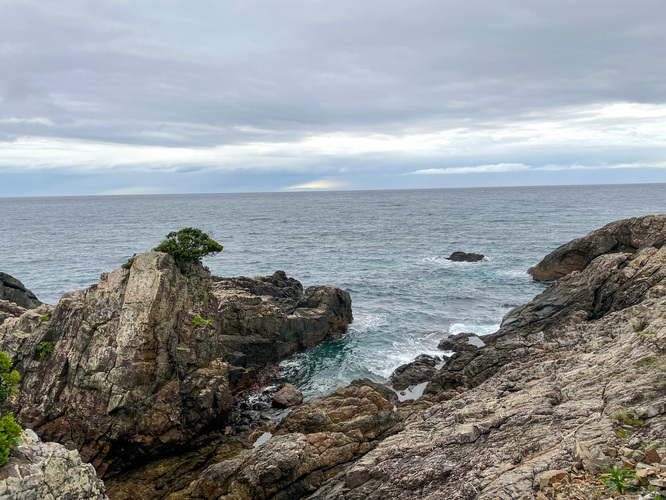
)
(211, 96)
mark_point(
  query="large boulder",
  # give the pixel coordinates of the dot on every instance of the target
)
(623, 236)
(14, 291)
(150, 357)
(47, 471)
(287, 396)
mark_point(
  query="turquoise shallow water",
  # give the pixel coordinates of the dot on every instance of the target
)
(388, 249)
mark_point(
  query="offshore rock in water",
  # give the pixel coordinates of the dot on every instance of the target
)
(623, 236)
(14, 291)
(465, 257)
(47, 471)
(150, 357)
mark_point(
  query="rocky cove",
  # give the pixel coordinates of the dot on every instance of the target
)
(151, 370)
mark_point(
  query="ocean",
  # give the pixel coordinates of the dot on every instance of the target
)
(388, 249)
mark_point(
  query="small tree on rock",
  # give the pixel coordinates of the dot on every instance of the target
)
(188, 244)
(9, 429)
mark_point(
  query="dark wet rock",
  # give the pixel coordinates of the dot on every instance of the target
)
(422, 369)
(12, 290)
(151, 357)
(287, 396)
(465, 257)
(47, 471)
(465, 341)
(623, 236)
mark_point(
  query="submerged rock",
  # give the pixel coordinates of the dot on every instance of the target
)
(422, 369)
(12, 290)
(47, 471)
(623, 236)
(150, 357)
(465, 257)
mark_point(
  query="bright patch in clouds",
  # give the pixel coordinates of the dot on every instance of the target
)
(320, 184)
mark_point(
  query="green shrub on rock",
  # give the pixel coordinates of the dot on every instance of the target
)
(9, 429)
(188, 244)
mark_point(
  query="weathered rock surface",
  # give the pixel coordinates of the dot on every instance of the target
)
(465, 257)
(422, 369)
(287, 396)
(13, 290)
(47, 471)
(308, 446)
(9, 310)
(149, 358)
(626, 236)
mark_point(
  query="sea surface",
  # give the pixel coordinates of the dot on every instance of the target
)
(388, 249)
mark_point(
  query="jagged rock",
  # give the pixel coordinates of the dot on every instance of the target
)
(625, 236)
(422, 369)
(287, 396)
(47, 471)
(465, 257)
(9, 310)
(149, 358)
(465, 341)
(544, 392)
(12, 290)
(307, 448)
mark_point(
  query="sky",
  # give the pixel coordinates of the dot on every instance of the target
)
(169, 96)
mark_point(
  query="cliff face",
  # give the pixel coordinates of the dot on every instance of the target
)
(574, 377)
(150, 357)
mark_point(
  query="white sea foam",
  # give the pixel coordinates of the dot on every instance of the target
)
(479, 329)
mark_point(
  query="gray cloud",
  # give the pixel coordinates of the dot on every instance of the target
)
(212, 74)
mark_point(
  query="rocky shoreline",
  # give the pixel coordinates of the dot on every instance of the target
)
(571, 382)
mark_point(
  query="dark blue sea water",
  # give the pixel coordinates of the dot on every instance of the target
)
(386, 248)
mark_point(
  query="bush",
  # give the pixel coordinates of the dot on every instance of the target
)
(9, 429)
(188, 244)
(8, 378)
(198, 320)
(44, 348)
(130, 261)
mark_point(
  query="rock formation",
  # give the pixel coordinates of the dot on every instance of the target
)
(465, 341)
(307, 449)
(422, 369)
(13, 290)
(465, 257)
(150, 357)
(47, 471)
(623, 236)
(572, 381)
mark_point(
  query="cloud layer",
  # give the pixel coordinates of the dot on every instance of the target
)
(355, 90)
